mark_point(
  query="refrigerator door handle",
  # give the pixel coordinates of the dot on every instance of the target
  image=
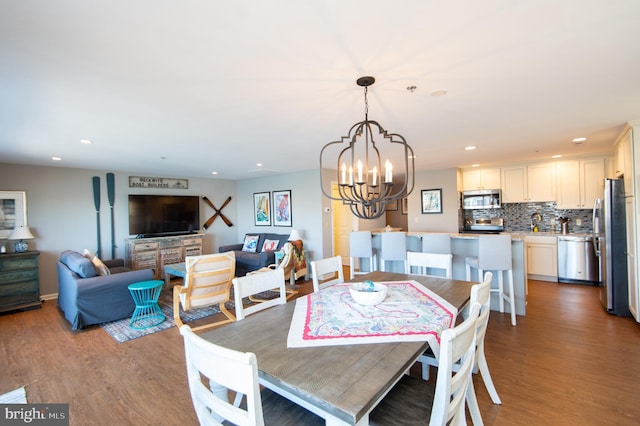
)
(596, 227)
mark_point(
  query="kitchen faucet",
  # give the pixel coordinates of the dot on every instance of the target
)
(537, 217)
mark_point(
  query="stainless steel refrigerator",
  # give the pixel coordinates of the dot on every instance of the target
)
(610, 244)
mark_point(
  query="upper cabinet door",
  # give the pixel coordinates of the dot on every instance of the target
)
(591, 181)
(514, 184)
(568, 185)
(541, 182)
(474, 179)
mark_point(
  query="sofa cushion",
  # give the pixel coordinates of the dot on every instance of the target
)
(250, 243)
(270, 245)
(78, 263)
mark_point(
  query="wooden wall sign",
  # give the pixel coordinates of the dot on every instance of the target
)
(157, 182)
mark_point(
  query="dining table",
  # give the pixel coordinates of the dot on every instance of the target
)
(343, 383)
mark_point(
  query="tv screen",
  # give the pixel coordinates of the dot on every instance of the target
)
(158, 215)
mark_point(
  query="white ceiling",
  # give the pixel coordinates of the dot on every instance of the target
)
(183, 88)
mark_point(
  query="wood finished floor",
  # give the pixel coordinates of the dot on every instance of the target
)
(566, 363)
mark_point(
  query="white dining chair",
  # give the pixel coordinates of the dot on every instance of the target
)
(426, 263)
(326, 272)
(393, 247)
(494, 254)
(213, 371)
(250, 285)
(480, 293)
(413, 401)
(361, 247)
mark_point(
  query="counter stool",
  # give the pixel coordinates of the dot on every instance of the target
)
(147, 313)
(360, 247)
(494, 254)
(436, 243)
(393, 246)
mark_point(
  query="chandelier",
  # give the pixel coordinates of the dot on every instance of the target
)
(362, 182)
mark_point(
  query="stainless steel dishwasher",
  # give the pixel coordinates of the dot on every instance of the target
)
(577, 261)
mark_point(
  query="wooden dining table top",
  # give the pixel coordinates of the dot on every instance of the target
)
(345, 382)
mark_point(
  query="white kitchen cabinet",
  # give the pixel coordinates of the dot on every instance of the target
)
(529, 183)
(474, 179)
(579, 183)
(542, 257)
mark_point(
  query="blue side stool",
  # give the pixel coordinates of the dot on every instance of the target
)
(147, 313)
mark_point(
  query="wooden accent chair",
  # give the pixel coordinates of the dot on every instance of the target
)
(480, 293)
(327, 272)
(413, 401)
(250, 285)
(207, 282)
(287, 266)
(213, 371)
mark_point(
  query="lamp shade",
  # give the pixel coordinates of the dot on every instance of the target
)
(295, 235)
(21, 233)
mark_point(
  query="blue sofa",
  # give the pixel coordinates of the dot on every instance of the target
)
(250, 261)
(86, 298)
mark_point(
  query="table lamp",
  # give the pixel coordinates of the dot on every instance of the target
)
(21, 233)
(295, 235)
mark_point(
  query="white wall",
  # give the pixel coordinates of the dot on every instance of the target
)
(447, 180)
(62, 216)
(306, 207)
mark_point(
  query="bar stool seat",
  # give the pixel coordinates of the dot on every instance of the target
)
(147, 312)
(360, 247)
(494, 254)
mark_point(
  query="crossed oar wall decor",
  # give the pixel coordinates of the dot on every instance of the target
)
(218, 212)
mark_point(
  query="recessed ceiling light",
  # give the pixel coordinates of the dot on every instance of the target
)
(556, 156)
(56, 158)
(438, 92)
(475, 165)
(579, 140)
(259, 164)
(214, 173)
(469, 148)
(85, 141)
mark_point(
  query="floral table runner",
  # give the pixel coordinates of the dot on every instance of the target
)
(409, 313)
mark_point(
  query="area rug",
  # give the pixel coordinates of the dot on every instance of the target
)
(121, 332)
(18, 396)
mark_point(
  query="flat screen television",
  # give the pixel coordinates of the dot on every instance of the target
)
(163, 215)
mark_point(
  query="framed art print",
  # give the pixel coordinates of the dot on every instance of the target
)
(392, 206)
(405, 205)
(262, 208)
(282, 208)
(13, 211)
(431, 201)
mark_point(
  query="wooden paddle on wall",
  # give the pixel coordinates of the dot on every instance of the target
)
(96, 201)
(217, 213)
(111, 194)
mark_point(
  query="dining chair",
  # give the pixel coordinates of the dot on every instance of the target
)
(213, 371)
(207, 282)
(427, 262)
(287, 265)
(393, 247)
(326, 272)
(494, 254)
(413, 401)
(250, 285)
(480, 293)
(361, 247)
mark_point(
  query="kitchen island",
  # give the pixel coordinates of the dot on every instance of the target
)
(466, 245)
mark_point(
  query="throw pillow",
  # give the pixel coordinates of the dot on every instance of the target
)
(270, 245)
(78, 264)
(250, 243)
(88, 254)
(101, 268)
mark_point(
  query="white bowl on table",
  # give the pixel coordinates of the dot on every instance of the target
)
(368, 298)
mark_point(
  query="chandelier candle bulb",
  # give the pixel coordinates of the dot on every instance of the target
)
(375, 176)
(343, 181)
(360, 180)
(388, 174)
(350, 176)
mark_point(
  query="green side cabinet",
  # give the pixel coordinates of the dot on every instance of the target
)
(19, 286)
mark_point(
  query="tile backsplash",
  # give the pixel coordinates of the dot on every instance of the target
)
(517, 217)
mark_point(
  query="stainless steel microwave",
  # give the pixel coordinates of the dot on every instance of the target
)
(481, 199)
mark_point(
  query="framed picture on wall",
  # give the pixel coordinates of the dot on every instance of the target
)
(405, 206)
(282, 208)
(392, 206)
(431, 201)
(262, 208)
(13, 211)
